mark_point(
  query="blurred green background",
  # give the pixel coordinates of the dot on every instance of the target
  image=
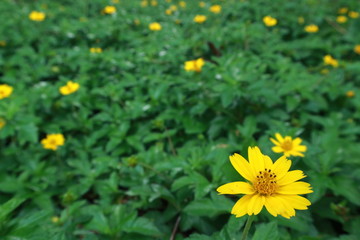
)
(147, 143)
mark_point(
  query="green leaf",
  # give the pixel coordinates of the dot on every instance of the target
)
(10, 206)
(268, 231)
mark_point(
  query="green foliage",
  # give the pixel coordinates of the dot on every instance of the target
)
(147, 143)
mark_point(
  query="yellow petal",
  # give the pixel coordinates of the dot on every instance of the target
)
(274, 141)
(290, 177)
(297, 141)
(297, 202)
(295, 188)
(300, 148)
(273, 205)
(242, 167)
(277, 149)
(236, 188)
(268, 162)
(256, 159)
(288, 210)
(240, 207)
(255, 205)
(279, 137)
(281, 166)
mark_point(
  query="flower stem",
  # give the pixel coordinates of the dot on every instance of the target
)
(247, 227)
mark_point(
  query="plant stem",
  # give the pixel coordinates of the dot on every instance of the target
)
(247, 227)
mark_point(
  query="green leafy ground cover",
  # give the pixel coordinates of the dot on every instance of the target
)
(147, 143)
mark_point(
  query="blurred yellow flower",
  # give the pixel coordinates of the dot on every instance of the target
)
(182, 4)
(115, 1)
(288, 146)
(357, 49)
(324, 71)
(199, 18)
(53, 141)
(69, 88)
(215, 9)
(353, 14)
(202, 4)
(37, 16)
(155, 26)
(269, 21)
(168, 1)
(343, 10)
(268, 184)
(144, 3)
(137, 22)
(154, 3)
(5, 91)
(55, 219)
(194, 65)
(173, 8)
(301, 20)
(168, 11)
(312, 28)
(329, 60)
(341, 19)
(350, 94)
(2, 43)
(2, 123)
(96, 50)
(109, 10)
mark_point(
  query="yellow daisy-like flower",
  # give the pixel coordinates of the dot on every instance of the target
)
(53, 141)
(95, 50)
(155, 26)
(202, 4)
(343, 10)
(312, 28)
(288, 146)
(200, 18)
(357, 49)
(329, 60)
(194, 65)
(350, 94)
(154, 3)
(269, 21)
(215, 9)
(5, 91)
(341, 19)
(353, 14)
(37, 16)
(269, 184)
(109, 10)
(182, 4)
(69, 88)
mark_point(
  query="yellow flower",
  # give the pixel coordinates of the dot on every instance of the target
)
(182, 4)
(312, 28)
(2, 123)
(301, 20)
(324, 71)
(37, 16)
(269, 21)
(168, 11)
(199, 18)
(341, 19)
(194, 65)
(329, 60)
(350, 94)
(288, 146)
(137, 22)
(5, 91)
(353, 14)
(154, 3)
(268, 184)
(2, 43)
(202, 4)
(144, 3)
(115, 1)
(155, 26)
(168, 1)
(215, 9)
(109, 10)
(55, 219)
(343, 10)
(69, 88)
(95, 50)
(357, 49)
(173, 8)
(53, 141)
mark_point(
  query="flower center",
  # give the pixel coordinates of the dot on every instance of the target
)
(265, 183)
(287, 145)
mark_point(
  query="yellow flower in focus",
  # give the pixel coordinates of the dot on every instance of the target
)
(353, 14)
(202, 4)
(53, 141)
(329, 60)
(301, 20)
(269, 21)
(109, 10)
(268, 184)
(312, 28)
(69, 88)
(2, 123)
(199, 18)
(5, 91)
(357, 49)
(341, 19)
(155, 26)
(154, 3)
(350, 94)
(2, 43)
(37, 16)
(215, 9)
(343, 10)
(182, 4)
(96, 50)
(194, 65)
(288, 146)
